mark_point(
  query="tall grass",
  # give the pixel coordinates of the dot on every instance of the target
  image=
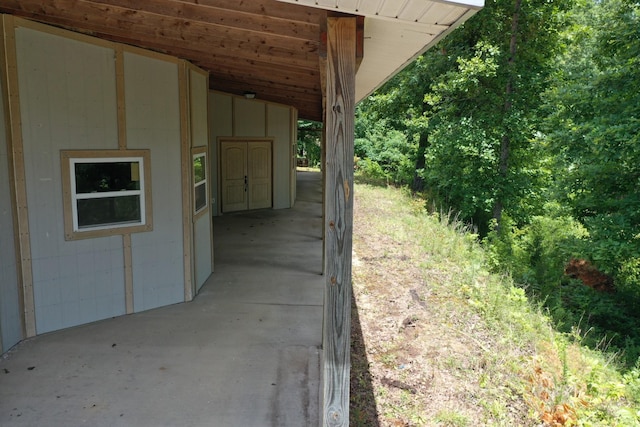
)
(563, 381)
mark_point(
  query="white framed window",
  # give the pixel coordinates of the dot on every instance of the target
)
(200, 186)
(106, 192)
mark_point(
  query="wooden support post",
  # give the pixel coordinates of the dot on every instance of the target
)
(339, 120)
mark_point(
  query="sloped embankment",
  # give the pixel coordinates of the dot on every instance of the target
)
(438, 341)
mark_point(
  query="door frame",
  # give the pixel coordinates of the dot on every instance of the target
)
(219, 141)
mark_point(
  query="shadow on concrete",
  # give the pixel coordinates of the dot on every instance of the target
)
(245, 352)
(362, 410)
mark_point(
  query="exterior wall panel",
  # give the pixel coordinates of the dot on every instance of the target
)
(202, 249)
(153, 122)
(220, 124)
(248, 117)
(74, 92)
(68, 101)
(10, 323)
(278, 126)
(198, 92)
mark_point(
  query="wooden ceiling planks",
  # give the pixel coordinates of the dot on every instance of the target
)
(266, 46)
(271, 47)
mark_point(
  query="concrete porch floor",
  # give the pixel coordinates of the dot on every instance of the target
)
(245, 352)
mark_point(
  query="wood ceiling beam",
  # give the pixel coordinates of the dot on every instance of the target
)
(161, 29)
(309, 80)
(271, 7)
(212, 57)
(262, 88)
(266, 46)
(200, 51)
(215, 15)
(292, 70)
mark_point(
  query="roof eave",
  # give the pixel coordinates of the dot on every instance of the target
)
(396, 33)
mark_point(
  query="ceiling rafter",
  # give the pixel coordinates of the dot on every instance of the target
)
(272, 47)
(264, 46)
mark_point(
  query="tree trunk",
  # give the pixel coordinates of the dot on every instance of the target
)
(505, 144)
(418, 182)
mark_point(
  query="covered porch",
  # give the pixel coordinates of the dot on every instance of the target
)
(246, 352)
(156, 92)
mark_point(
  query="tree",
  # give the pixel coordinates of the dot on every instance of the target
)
(400, 105)
(594, 129)
(310, 141)
(483, 157)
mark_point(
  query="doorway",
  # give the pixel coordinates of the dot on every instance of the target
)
(247, 174)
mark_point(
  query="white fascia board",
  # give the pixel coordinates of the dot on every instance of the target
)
(471, 4)
(392, 42)
(391, 47)
(377, 9)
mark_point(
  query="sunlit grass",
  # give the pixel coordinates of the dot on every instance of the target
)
(523, 360)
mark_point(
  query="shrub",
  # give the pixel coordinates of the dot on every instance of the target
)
(371, 172)
(536, 254)
(627, 282)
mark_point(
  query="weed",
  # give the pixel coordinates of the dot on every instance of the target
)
(452, 418)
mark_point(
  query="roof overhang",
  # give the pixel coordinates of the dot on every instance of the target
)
(396, 32)
(270, 47)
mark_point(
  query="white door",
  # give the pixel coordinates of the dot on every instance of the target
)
(234, 176)
(247, 176)
(259, 177)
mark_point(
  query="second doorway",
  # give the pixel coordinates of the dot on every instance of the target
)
(246, 169)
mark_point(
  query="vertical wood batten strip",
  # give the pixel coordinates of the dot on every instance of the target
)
(120, 99)
(128, 273)
(340, 116)
(17, 176)
(122, 145)
(185, 155)
(3, 61)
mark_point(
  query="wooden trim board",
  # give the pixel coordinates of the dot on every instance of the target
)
(17, 176)
(69, 232)
(205, 210)
(121, 99)
(186, 164)
(128, 274)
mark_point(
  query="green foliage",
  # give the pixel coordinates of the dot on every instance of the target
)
(483, 155)
(386, 148)
(309, 142)
(628, 283)
(523, 357)
(450, 418)
(537, 253)
(371, 172)
(632, 381)
(543, 135)
(594, 130)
